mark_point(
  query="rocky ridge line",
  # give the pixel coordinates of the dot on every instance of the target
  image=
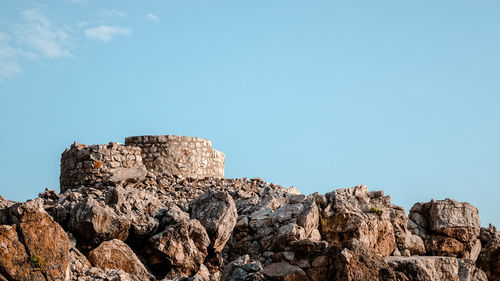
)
(164, 227)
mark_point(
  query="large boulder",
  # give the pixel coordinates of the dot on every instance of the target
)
(92, 222)
(355, 213)
(420, 268)
(13, 257)
(489, 258)
(36, 246)
(115, 254)
(217, 213)
(448, 228)
(181, 248)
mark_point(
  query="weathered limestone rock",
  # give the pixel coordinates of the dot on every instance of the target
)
(99, 274)
(489, 258)
(13, 257)
(448, 228)
(436, 269)
(182, 246)
(217, 213)
(93, 222)
(359, 263)
(115, 254)
(139, 207)
(46, 239)
(353, 214)
(147, 208)
(78, 263)
(283, 271)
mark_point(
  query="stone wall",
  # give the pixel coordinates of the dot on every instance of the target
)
(82, 164)
(178, 155)
(172, 155)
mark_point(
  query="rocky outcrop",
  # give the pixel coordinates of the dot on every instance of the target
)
(489, 258)
(181, 247)
(436, 268)
(371, 218)
(448, 228)
(116, 223)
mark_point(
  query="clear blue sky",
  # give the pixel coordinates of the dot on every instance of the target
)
(402, 96)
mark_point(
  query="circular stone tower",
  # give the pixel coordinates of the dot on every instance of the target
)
(178, 155)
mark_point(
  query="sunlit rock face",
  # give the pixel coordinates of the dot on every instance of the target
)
(147, 214)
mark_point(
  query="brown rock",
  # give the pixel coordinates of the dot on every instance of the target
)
(115, 254)
(14, 261)
(354, 214)
(182, 246)
(447, 227)
(438, 245)
(283, 271)
(46, 240)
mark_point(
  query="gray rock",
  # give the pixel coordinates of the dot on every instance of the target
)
(217, 213)
(436, 268)
(283, 271)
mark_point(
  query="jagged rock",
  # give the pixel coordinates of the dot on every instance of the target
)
(93, 222)
(45, 243)
(182, 247)
(353, 214)
(138, 207)
(79, 264)
(436, 269)
(115, 254)
(217, 213)
(145, 222)
(359, 263)
(283, 271)
(242, 268)
(489, 258)
(448, 228)
(13, 257)
(47, 240)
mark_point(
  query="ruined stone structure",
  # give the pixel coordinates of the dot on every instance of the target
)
(190, 157)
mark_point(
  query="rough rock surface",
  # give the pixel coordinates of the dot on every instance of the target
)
(447, 227)
(148, 225)
(115, 254)
(419, 268)
(489, 258)
(217, 213)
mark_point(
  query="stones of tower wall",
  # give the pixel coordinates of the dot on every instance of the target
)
(83, 165)
(179, 155)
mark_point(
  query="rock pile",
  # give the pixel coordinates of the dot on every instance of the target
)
(164, 227)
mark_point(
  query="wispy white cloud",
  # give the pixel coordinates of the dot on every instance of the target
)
(152, 17)
(40, 35)
(9, 66)
(106, 33)
(33, 38)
